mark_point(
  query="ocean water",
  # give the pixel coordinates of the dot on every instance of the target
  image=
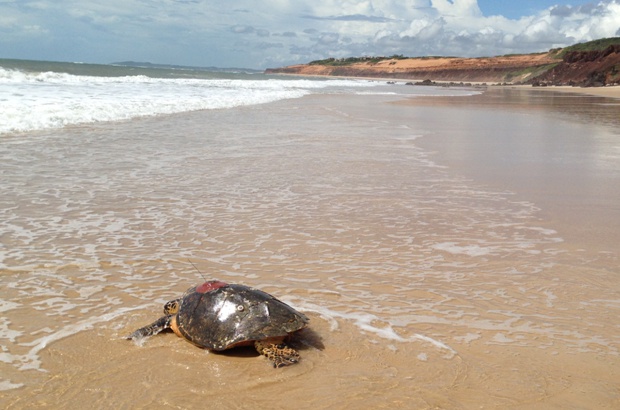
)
(42, 95)
(427, 285)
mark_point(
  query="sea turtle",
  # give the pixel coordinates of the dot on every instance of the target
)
(218, 316)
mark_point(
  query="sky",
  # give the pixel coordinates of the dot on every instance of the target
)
(274, 33)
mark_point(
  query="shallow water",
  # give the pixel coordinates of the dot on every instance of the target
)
(426, 285)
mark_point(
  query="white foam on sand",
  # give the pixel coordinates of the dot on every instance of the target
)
(469, 250)
(32, 361)
(367, 322)
(8, 385)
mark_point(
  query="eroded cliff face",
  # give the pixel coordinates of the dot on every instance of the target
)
(586, 68)
(494, 69)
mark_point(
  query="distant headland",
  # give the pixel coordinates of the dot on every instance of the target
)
(592, 64)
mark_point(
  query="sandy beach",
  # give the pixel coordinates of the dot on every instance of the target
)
(608, 92)
(452, 252)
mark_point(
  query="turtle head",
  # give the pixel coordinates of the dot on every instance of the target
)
(172, 307)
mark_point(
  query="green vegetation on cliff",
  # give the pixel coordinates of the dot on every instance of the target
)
(594, 63)
(527, 73)
(354, 60)
(595, 45)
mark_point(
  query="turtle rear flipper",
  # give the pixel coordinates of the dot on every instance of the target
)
(278, 353)
(152, 329)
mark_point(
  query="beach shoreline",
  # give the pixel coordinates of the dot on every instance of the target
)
(420, 235)
(612, 91)
(608, 91)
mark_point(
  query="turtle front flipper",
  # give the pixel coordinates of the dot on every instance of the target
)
(278, 353)
(152, 329)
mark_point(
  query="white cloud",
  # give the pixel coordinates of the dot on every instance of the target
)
(460, 9)
(424, 29)
(277, 32)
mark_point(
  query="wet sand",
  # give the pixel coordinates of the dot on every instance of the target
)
(568, 168)
(441, 267)
(608, 92)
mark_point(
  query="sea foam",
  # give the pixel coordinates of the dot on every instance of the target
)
(35, 101)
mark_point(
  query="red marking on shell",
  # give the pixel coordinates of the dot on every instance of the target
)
(209, 286)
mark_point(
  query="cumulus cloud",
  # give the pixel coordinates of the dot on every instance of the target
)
(457, 8)
(422, 29)
(443, 27)
(458, 27)
(209, 32)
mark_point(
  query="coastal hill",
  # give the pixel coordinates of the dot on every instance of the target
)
(595, 63)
